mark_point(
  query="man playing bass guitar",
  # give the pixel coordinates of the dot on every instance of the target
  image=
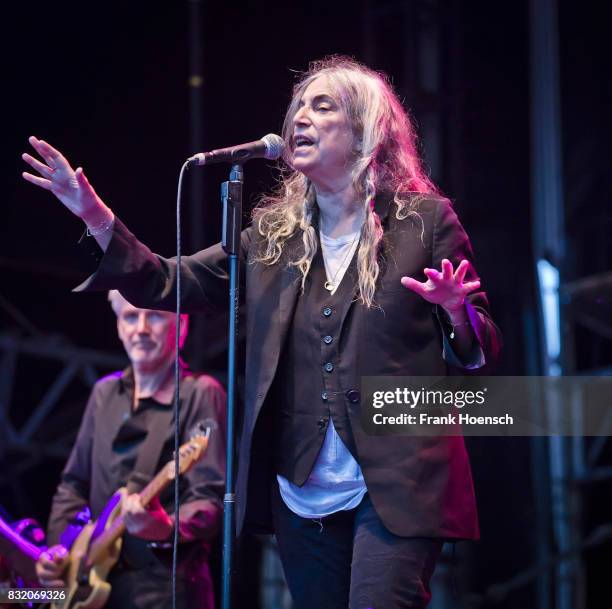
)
(126, 435)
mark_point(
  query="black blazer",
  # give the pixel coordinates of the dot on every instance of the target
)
(418, 486)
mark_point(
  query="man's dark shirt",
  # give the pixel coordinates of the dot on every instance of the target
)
(107, 446)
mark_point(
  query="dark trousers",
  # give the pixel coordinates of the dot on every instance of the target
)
(349, 559)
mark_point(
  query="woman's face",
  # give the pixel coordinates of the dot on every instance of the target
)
(322, 142)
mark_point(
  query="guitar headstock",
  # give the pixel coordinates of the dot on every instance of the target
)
(190, 453)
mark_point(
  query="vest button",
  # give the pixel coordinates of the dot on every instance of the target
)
(327, 339)
(328, 367)
(322, 423)
(327, 311)
(353, 396)
(324, 396)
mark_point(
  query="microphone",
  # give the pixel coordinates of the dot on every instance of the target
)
(268, 147)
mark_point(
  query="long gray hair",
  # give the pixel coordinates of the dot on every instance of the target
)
(386, 161)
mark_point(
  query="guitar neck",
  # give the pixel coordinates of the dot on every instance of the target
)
(20, 554)
(15, 542)
(187, 455)
(110, 535)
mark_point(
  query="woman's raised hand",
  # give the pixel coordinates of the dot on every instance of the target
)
(71, 187)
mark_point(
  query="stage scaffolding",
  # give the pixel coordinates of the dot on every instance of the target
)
(45, 432)
(572, 462)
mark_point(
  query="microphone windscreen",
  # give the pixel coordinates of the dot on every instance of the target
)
(274, 146)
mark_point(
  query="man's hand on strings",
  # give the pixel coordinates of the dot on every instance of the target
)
(151, 523)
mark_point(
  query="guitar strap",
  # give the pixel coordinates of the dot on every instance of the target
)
(150, 451)
(151, 448)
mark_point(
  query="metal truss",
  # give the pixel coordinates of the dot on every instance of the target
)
(573, 463)
(44, 431)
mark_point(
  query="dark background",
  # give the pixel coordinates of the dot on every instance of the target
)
(107, 83)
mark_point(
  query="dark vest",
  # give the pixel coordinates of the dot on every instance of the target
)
(307, 390)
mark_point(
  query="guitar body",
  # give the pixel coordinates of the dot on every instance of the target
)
(87, 586)
(96, 550)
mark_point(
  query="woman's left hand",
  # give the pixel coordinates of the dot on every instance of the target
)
(445, 288)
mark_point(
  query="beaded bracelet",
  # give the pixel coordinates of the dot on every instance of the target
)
(101, 228)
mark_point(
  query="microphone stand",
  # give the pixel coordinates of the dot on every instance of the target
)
(231, 196)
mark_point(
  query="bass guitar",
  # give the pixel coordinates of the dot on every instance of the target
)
(96, 550)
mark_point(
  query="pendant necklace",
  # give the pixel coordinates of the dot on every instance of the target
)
(330, 285)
